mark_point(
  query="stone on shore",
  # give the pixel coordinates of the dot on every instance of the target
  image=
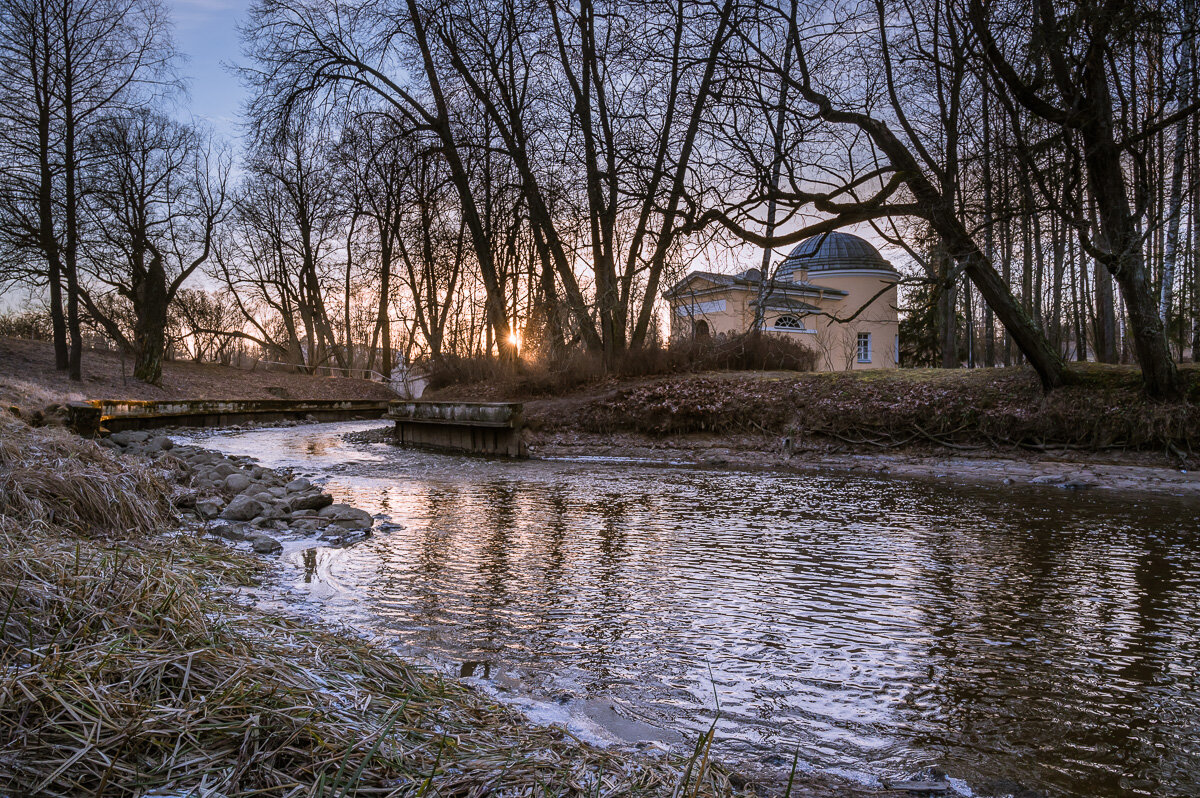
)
(234, 532)
(209, 508)
(309, 501)
(242, 508)
(298, 485)
(236, 483)
(347, 517)
(265, 544)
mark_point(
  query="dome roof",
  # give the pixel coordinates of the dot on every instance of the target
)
(832, 252)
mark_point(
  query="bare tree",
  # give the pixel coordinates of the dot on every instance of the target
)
(66, 64)
(1080, 44)
(155, 192)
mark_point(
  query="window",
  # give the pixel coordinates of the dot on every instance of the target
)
(864, 347)
(789, 323)
(700, 329)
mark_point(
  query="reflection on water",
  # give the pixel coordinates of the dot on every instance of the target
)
(882, 626)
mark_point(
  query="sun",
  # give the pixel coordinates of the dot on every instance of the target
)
(514, 340)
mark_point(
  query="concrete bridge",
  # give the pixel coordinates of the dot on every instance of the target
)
(477, 427)
(92, 417)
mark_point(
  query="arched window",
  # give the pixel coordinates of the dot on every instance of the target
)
(789, 323)
(701, 329)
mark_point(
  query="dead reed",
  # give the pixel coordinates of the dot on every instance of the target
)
(126, 671)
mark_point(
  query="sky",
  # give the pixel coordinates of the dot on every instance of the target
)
(206, 33)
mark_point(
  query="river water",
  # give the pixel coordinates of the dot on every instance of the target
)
(1008, 637)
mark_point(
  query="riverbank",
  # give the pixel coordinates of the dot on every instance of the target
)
(986, 426)
(130, 664)
(29, 380)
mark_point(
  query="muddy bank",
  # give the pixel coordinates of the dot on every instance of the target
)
(1066, 471)
(984, 426)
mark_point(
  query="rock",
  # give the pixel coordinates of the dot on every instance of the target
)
(277, 492)
(225, 469)
(242, 508)
(298, 485)
(160, 444)
(335, 538)
(234, 532)
(184, 498)
(334, 510)
(236, 483)
(348, 517)
(310, 501)
(353, 523)
(209, 508)
(1077, 484)
(1048, 479)
(257, 472)
(265, 544)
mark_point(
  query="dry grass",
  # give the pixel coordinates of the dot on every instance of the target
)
(52, 479)
(17, 392)
(124, 672)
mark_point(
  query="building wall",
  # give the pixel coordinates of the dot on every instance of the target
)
(728, 311)
(838, 342)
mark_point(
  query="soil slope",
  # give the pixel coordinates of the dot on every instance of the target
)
(27, 373)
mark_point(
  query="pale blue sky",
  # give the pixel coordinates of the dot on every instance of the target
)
(206, 32)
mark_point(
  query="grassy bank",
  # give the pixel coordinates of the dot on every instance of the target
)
(1103, 409)
(126, 669)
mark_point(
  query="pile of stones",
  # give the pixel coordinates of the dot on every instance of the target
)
(241, 501)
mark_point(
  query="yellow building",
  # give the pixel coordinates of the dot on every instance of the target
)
(834, 293)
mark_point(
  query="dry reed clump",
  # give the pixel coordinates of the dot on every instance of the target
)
(51, 477)
(123, 672)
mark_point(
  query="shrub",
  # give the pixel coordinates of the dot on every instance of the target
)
(578, 368)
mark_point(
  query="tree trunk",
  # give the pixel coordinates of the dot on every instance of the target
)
(71, 249)
(150, 329)
(947, 307)
(1175, 201)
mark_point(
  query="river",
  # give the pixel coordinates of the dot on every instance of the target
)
(1014, 637)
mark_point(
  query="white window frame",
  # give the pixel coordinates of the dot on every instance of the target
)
(863, 347)
(802, 328)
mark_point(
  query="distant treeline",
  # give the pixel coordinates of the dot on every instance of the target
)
(435, 178)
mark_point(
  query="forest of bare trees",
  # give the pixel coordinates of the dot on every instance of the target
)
(422, 179)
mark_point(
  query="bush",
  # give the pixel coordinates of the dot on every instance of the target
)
(31, 324)
(578, 368)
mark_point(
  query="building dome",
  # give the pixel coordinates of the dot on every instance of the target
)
(828, 252)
